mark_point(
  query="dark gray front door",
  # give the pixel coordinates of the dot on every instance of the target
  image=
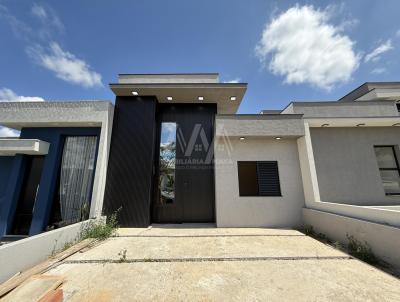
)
(184, 182)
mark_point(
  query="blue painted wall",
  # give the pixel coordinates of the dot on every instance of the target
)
(48, 181)
(6, 164)
(11, 193)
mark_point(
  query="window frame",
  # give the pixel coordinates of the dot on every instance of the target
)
(257, 182)
(397, 168)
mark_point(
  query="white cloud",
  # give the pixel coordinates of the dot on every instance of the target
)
(7, 95)
(235, 80)
(39, 11)
(19, 28)
(49, 19)
(377, 52)
(8, 132)
(65, 65)
(304, 48)
(378, 70)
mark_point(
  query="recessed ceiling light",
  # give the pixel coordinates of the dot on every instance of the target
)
(278, 138)
(169, 98)
(201, 98)
(135, 93)
(242, 138)
(360, 125)
(233, 98)
(324, 125)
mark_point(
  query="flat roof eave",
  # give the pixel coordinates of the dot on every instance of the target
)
(217, 93)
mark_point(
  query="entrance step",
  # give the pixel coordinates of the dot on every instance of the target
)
(201, 230)
(229, 244)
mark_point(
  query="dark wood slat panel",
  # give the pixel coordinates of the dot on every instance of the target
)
(129, 173)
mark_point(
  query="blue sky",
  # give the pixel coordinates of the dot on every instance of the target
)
(284, 50)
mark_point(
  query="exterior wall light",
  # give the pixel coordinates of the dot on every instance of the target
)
(278, 138)
(396, 125)
(324, 125)
(201, 98)
(135, 93)
(242, 138)
(169, 98)
(233, 98)
(360, 125)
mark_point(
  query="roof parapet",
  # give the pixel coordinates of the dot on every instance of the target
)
(176, 78)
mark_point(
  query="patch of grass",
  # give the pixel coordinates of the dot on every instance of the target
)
(354, 247)
(361, 250)
(94, 229)
(308, 230)
(337, 245)
(100, 230)
(67, 245)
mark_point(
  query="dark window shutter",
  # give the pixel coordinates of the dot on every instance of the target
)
(268, 178)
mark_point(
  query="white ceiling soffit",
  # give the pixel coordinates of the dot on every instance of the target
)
(219, 93)
(381, 94)
(11, 147)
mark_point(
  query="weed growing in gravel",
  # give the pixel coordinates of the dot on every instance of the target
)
(122, 255)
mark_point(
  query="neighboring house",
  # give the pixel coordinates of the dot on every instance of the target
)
(53, 175)
(178, 152)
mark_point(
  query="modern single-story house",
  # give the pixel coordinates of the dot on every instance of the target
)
(172, 150)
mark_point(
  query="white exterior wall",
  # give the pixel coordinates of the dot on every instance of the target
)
(346, 164)
(259, 125)
(343, 109)
(23, 254)
(235, 211)
(383, 239)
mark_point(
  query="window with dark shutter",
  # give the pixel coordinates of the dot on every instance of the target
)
(258, 178)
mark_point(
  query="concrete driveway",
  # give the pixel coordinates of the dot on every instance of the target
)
(202, 263)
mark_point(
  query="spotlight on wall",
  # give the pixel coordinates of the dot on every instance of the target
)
(233, 98)
(278, 137)
(135, 93)
(325, 125)
(201, 98)
(169, 98)
(360, 125)
(242, 138)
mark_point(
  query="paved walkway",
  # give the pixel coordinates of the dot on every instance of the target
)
(192, 263)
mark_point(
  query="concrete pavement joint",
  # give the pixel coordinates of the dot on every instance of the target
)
(232, 259)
